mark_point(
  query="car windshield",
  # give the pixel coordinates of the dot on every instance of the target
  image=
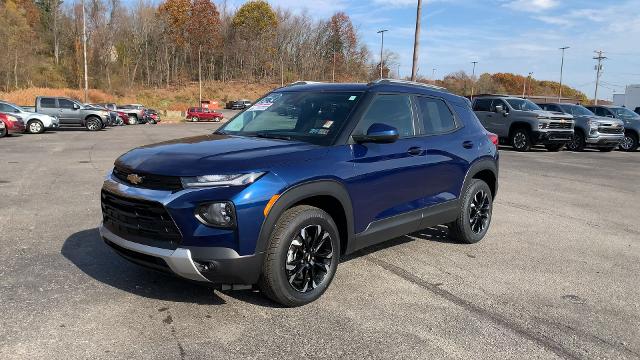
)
(523, 105)
(625, 113)
(314, 117)
(577, 110)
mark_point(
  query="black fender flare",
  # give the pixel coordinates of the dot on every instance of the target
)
(481, 165)
(300, 192)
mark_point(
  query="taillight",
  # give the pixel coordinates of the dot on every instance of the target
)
(493, 138)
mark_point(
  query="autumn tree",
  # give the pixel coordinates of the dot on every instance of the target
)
(15, 38)
(254, 25)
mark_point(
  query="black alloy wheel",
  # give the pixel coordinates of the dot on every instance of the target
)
(309, 258)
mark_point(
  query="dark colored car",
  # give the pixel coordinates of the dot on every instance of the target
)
(10, 124)
(203, 114)
(629, 119)
(151, 116)
(277, 200)
(238, 104)
(637, 111)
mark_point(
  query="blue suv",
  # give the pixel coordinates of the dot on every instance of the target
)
(309, 173)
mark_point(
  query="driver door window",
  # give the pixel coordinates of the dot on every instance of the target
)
(392, 110)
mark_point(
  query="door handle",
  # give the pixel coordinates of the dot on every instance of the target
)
(467, 144)
(415, 151)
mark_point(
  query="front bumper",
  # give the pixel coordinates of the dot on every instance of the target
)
(211, 264)
(603, 140)
(553, 137)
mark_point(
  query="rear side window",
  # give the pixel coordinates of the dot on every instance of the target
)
(393, 110)
(435, 115)
(65, 104)
(48, 103)
(482, 105)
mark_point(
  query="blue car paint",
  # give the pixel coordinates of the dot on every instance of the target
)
(383, 180)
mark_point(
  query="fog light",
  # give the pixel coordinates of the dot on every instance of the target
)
(217, 214)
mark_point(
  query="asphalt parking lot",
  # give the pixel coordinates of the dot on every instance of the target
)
(556, 277)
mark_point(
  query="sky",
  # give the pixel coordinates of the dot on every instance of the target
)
(518, 36)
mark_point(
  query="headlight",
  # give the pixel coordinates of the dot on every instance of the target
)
(543, 124)
(593, 124)
(217, 214)
(220, 180)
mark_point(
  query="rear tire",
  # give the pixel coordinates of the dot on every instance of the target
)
(194, 119)
(301, 258)
(577, 143)
(630, 142)
(35, 127)
(475, 213)
(521, 140)
(554, 147)
(3, 131)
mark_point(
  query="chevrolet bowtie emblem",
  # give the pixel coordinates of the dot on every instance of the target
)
(135, 179)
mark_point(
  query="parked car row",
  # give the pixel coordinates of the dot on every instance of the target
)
(524, 124)
(50, 112)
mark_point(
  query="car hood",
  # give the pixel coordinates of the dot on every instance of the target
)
(216, 154)
(553, 114)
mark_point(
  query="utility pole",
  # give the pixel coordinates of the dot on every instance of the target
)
(561, 71)
(416, 43)
(600, 57)
(381, 32)
(200, 74)
(84, 54)
(524, 88)
(398, 71)
(473, 77)
(433, 74)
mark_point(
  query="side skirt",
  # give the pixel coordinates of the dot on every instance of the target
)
(387, 229)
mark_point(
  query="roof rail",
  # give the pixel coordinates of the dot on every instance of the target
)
(305, 82)
(407, 82)
(495, 95)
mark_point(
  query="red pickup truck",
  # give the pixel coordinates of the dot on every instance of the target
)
(203, 114)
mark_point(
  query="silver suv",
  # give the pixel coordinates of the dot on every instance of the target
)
(522, 123)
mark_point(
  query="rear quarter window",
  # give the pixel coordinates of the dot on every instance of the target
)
(48, 103)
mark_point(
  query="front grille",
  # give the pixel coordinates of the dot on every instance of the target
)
(141, 221)
(560, 125)
(610, 130)
(149, 181)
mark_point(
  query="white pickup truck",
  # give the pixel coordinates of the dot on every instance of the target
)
(35, 123)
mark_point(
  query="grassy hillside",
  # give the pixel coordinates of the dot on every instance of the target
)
(161, 99)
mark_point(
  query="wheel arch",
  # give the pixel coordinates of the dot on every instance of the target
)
(520, 125)
(328, 195)
(485, 170)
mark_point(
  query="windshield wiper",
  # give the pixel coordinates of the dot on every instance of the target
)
(273, 136)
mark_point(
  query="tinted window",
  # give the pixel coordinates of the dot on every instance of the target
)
(6, 108)
(436, 116)
(482, 105)
(393, 110)
(523, 105)
(48, 103)
(65, 104)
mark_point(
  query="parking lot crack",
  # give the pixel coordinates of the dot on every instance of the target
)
(437, 289)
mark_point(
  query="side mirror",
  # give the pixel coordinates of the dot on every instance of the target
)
(378, 133)
(76, 107)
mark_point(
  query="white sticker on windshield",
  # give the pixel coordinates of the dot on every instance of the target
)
(352, 98)
(327, 124)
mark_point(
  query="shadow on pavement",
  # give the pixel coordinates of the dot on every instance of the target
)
(86, 250)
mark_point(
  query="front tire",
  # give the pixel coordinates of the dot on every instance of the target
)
(577, 142)
(630, 142)
(35, 127)
(302, 256)
(3, 131)
(475, 214)
(133, 120)
(521, 140)
(554, 147)
(93, 124)
(194, 119)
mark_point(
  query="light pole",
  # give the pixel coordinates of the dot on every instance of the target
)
(473, 76)
(381, 32)
(433, 74)
(561, 71)
(416, 41)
